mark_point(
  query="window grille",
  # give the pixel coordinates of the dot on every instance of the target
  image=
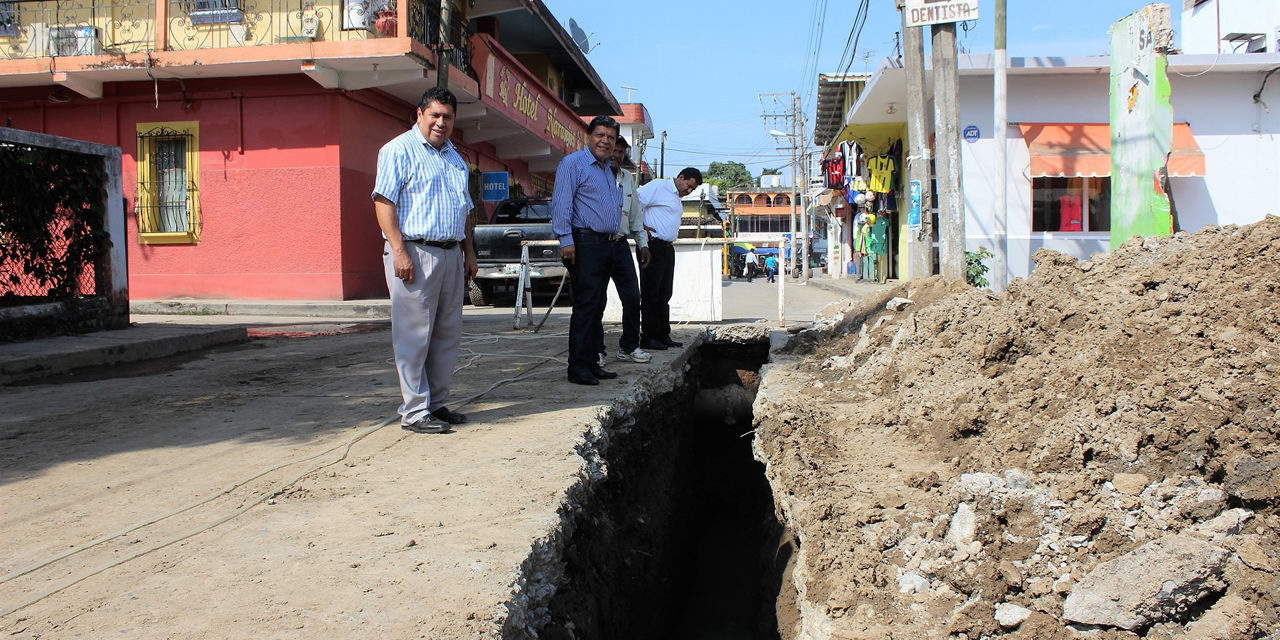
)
(215, 11)
(167, 190)
(8, 19)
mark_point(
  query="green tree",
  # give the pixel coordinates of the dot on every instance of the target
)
(728, 175)
(770, 172)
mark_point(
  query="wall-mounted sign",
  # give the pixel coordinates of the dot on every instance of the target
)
(913, 214)
(496, 185)
(510, 89)
(971, 133)
(922, 12)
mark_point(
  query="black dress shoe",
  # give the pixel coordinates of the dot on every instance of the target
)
(583, 378)
(452, 417)
(602, 374)
(671, 343)
(653, 345)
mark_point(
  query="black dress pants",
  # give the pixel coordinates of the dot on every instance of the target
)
(655, 291)
(594, 258)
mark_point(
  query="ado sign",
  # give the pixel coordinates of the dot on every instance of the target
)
(922, 12)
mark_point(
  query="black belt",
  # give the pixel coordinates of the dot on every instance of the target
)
(443, 244)
(653, 239)
(611, 237)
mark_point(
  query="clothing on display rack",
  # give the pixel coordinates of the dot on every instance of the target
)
(882, 169)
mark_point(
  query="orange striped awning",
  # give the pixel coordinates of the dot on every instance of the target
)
(1084, 149)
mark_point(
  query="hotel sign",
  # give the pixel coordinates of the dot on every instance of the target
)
(509, 88)
(918, 13)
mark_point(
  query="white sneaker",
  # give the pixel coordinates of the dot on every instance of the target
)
(636, 355)
(601, 360)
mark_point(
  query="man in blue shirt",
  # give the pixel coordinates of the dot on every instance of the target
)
(586, 211)
(421, 201)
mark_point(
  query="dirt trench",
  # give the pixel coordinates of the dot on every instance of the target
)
(975, 466)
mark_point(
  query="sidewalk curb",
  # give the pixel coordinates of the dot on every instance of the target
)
(301, 309)
(39, 358)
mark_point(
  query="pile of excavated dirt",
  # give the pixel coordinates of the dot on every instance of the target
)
(1093, 453)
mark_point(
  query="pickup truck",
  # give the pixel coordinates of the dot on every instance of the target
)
(497, 245)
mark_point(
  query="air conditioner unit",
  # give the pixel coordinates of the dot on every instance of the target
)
(215, 11)
(74, 41)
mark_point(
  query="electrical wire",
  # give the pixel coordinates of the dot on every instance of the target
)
(279, 489)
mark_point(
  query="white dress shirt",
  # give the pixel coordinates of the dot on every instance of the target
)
(662, 208)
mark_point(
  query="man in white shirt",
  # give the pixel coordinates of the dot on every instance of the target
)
(660, 202)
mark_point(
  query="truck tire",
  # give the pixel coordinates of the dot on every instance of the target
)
(480, 294)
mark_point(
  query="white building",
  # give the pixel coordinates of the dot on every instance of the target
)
(1226, 163)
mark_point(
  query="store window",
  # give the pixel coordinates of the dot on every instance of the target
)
(168, 203)
(1071, 204)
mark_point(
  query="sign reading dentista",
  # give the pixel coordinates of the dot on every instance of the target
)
(510, 88)
(923, 12)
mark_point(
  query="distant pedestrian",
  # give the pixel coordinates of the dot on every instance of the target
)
(751, 265)
(586, 212)
(660, 201)
(770, 268)
(421, 201)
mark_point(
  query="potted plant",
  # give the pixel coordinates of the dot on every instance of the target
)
(386, 22)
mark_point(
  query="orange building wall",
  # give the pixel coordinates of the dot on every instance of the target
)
(367, 121)
(287, 216)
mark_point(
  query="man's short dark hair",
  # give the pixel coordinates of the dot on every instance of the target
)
(623, 141)
(689, 173)
(438, 94)
(604, 121)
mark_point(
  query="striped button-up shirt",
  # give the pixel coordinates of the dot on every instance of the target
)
(586, 196)
(428, 187)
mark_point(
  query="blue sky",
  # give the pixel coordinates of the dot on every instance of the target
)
(699, 65)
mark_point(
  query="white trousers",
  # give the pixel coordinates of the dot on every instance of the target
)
(426, 325)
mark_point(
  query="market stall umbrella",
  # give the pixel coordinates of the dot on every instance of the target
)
(742, 247)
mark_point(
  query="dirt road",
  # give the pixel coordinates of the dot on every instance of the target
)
(254, 491)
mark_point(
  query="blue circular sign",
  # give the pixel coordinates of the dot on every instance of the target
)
(971, 133)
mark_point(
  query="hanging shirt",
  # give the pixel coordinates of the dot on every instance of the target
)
(1069, 214)
(882, 168)
(879, 236)
(833, 167)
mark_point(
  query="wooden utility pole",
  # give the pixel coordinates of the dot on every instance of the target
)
(1000, 272)
(919, 241)
(947, 126)
(662, 157)
(802, 171)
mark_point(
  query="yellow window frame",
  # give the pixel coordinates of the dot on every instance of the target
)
(147, 205)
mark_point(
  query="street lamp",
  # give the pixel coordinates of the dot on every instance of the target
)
(796, 240)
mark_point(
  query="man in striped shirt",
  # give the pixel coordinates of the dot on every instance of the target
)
(421, 201)
(586, 211)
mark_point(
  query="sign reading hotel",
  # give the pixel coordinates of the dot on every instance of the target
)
(923, 12)
(511, 89)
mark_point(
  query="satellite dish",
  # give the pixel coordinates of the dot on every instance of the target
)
(580, 37)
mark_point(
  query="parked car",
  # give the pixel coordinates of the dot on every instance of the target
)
(497, 244)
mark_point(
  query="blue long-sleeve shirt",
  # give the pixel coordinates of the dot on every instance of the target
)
(586, 196)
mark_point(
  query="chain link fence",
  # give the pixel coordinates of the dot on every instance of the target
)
(54, 242)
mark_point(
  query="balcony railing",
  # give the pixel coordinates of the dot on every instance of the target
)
(215, 24)
(47, 28)
(44, 28)
(424, 26)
